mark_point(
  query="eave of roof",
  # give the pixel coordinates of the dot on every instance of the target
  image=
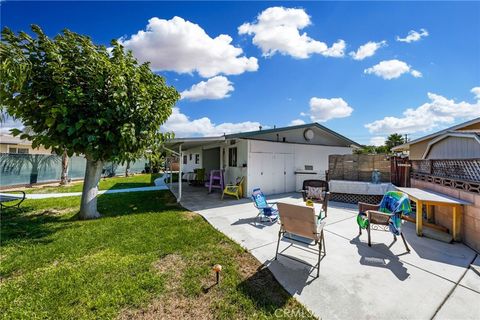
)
(406, 146)
(302, 126)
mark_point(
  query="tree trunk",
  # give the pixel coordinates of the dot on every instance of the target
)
(88, 205)
(64, 176)
(127, 168)
(34, 174)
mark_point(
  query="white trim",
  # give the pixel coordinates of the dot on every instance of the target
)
(446, 135)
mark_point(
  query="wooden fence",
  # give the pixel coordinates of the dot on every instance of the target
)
(358, 167)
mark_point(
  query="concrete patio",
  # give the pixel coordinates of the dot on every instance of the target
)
(434, 281)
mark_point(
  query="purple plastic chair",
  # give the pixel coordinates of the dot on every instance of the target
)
(215, 181)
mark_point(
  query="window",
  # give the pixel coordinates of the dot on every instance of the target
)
(18, 150)
(197, 158)
(232, 157)
(190, 156)
(185, 159)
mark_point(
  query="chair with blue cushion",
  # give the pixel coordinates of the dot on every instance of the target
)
(266, 211)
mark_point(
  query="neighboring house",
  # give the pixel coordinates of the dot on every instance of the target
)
(276, 160)
(458, 142)
(11, 144)
(448, 162)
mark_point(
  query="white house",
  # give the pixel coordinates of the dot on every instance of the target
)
(276, 160)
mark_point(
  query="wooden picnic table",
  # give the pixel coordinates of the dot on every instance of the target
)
(431, 198)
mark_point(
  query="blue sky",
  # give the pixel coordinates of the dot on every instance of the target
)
(279, 63)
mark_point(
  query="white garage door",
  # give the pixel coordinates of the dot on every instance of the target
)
(272, 172)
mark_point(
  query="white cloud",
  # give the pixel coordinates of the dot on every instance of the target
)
(438, 111)
(413, 36)
(277, 30)
(337, 49)
(416, 74)
(391, 69)
(322, 109)
(184, 47)
(9, 124)
(296, 122)
(476, 92)
(182, 126)
(213, 89)
(367, 50)
(377, 141)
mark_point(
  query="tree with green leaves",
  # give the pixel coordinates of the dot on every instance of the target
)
(86, 99)
(394, 140)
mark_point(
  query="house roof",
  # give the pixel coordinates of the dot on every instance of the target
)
(197, 141)
(9, 139)
(188, 143)
(251, 134)
(406, 146)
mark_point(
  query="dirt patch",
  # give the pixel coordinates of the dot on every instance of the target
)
(189, 215)
(174, 307)
(173, 304)
(173, 265)
(52, 212)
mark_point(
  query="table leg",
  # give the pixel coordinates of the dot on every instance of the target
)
(457, 222)
(419, 223)
(429, 213)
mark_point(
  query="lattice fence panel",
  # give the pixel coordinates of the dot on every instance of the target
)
(421, 166)
(466, 170)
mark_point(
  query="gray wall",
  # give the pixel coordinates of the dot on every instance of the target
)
(211, 159)
(455, 148)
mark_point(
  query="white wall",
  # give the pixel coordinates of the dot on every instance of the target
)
(313, 155)
(231, 173)
(190, 166)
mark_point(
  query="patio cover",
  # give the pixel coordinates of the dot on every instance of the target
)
(176, 146)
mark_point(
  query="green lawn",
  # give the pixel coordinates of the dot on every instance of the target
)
(146, 257)
(136, 181)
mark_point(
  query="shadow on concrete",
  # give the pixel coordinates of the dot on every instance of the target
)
(264, 291)
(373, 258)
(254, 222)
(300, 275)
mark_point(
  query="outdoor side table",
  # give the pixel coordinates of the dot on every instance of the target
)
(430, 198)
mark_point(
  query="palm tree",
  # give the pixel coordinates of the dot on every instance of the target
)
(394, 140)
(13, 163)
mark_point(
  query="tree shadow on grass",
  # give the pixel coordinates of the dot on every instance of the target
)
(29, 223)
(113, 205)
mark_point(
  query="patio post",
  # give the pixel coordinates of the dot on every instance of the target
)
(171, 172)
(180, 174)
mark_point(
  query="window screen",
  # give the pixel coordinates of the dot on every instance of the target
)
(232, 157)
